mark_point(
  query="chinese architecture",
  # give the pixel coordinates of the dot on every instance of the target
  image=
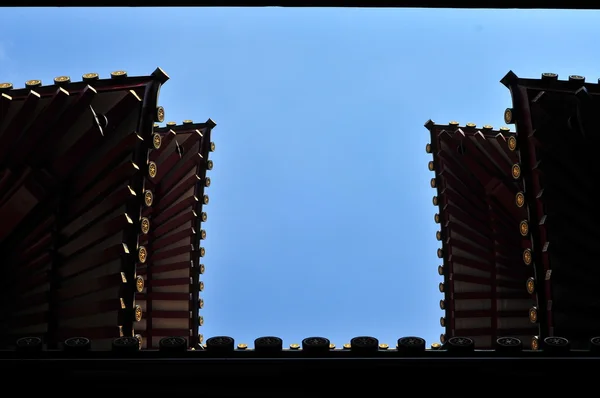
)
(483, 229)
(91, 193)
(556, 143)
(172, 285)
(517, 218)
(101, 233)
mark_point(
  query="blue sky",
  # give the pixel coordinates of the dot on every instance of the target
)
(320, 219)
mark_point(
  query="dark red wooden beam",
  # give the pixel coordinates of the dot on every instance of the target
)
(491, 313)
(163, 296)
(488, 281)
(480, 265)
(168, 282)
(501, 295)
(170, 314)
(166, 267)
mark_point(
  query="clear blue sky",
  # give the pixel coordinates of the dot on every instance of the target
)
(320, 219)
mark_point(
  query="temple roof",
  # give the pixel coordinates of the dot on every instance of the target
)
(479, 203)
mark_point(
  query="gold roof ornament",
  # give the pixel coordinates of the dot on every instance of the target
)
(140, 340)
(202, 252)
(242, 346)
(148, 198)
(294, 346)
(433, 183)
(205, 199)
(436, 218)
(202, 269)
(520, 199)
(516, 171)
(438, 235)
(440, 269)
(533, 315)
(171, 124)
(431, 165)
(531, 285)
(488, 127)
(332, 346)
(471, 125)
(442, 305)
(436, 346)
(383, 346)
(200, 320)
(188, 121)
(347, 346)
(508, 116)
(207, 182)
(118, 74)
(152, 169)
(202, 234)
(435, 201)
(142, 254)
(535, 343)
(453, 123)
(428, 148)
(60, 80)
(212, 147)
(156, 140)
(527, 256)
(138, 313)
(88, 77)
(33, 83)
(6, 86)
(512, 143)
(443, 322)
(440, 253)
(160, 114)
(524, 228)
(549, 75)
(145, 225)
(139, 283)
(441, 287)
(203, 216)
(209, 165)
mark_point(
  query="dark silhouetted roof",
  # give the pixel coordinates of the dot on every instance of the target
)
(73, 162)
(557, 135)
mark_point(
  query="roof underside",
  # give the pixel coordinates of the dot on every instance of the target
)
(482, 250)
(72, 167)
(558, 140)
(171, 297)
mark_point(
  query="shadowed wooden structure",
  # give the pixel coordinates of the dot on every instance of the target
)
(483, 234)
(74, 172)
(557, 140)
(170, 296)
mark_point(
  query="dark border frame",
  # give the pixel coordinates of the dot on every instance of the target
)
(480, 4)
